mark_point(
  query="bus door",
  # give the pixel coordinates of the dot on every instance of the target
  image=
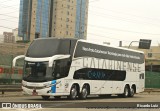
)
(60, 71)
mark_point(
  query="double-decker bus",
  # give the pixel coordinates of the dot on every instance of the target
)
(78, 68)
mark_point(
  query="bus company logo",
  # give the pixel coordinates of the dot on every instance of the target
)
(20, 105)
(6, 105)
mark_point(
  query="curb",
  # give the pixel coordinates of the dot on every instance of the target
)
(20, 93)
(13, 94)
(152, 90)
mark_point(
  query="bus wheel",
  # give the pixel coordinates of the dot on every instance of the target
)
(126, 92)
(45, 97)
(73, 92)
(131, 92)
(84, 92)
(57, 97)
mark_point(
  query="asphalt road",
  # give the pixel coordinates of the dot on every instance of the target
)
(139, 101)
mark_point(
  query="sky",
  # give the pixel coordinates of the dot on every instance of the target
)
(108, 20)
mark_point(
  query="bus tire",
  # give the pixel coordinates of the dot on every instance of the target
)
(45, 97)
(73, 92)
(84, 92)
(126, 92)
(131, 92)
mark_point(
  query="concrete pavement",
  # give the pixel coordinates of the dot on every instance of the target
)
(20, 93)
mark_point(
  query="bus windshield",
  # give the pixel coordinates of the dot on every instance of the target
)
(35, 69)
(40, 72)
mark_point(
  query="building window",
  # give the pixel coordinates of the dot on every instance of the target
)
(68, 6)
(68, 0)
(37, 35)
(67, 20)
(67, 26)
(66, 32)
(149, 55)
(67, 12)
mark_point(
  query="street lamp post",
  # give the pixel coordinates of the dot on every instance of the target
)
(131, 43)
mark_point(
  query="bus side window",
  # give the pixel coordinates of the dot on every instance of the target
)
(61, 68)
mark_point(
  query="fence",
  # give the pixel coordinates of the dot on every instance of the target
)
(8, 74)
(152, 79)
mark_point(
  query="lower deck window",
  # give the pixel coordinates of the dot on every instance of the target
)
(99, 74)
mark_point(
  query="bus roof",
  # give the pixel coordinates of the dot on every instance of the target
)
(47, 47)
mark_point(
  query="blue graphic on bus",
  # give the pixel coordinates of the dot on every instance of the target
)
(53, 88)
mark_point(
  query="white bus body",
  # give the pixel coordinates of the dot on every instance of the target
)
(88, 69)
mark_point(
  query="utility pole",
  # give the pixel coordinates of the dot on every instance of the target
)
(80, 31)
(120, 43)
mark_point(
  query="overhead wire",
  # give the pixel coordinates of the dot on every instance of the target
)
(124, 13)
(96, 27)
(115, 29)
(5, 1)
(108, 16)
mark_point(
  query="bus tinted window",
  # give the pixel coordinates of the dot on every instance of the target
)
(61, 68)
(99, 74)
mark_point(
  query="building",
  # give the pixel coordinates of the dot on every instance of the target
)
(53, 18)
(152, 53)
(1, 38)
(11, 37)
(15, 34)
(8, 37)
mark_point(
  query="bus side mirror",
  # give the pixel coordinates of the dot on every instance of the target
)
(16, 58)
